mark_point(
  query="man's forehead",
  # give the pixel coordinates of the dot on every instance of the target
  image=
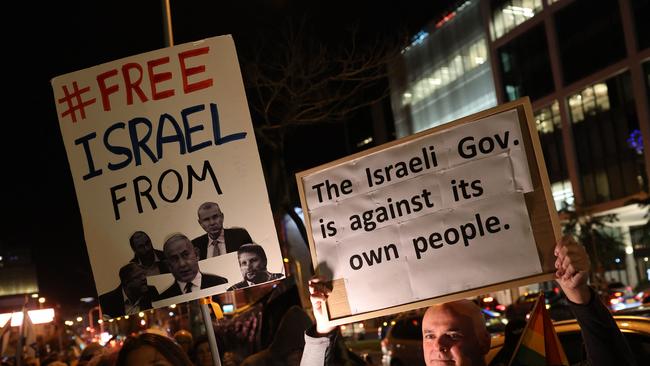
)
(177, 245)
(248, 255)
(210, 210)
(449, 317)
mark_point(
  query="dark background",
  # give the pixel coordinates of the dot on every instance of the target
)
(46, 39)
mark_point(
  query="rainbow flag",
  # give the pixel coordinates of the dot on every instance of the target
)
(539, 344)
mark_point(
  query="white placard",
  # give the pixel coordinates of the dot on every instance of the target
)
(150, 138)
(435, 215)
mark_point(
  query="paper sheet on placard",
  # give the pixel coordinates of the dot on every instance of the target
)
(429, 154)
(382, 283)
(507, 253)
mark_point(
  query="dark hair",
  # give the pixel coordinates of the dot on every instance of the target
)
(253, 248)
(177, 237)
(131, 240)
(164, 345)
(127, 270)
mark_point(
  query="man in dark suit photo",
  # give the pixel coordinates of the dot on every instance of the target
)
(151, 260)
(131, 296)
(217, 240)
(252, 263)
(183, 261)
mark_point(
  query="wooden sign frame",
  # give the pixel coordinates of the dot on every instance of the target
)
(539, 202)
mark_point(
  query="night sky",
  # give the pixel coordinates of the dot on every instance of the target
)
(54, 38)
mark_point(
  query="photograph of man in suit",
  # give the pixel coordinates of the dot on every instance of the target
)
(252, 263)
(217, 240)
(183, 261)
(151, 260)
(131, 296)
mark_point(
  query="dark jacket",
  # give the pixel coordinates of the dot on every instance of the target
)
(112, 303)
(244, 283)
(207, 280)
(234, 238)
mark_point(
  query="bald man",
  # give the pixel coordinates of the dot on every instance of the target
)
(454, 333)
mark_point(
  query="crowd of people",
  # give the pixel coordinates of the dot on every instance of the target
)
(454, 333)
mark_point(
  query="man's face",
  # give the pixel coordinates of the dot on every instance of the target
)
(211, 220)
(136, 283)
(452, 336)
(142, 245)
(252, 267)
(182, 259)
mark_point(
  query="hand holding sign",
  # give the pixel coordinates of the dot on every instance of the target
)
(318, 294)
(572, 273)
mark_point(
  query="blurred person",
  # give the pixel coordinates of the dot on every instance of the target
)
(151, 260)
(454, 333)
(252, 264)
(217, 241)
(288, 342)
(131, 296)
(91, 350)
(201, 354)
(108, 358)
(184, 339)
(183, 261)
(153, 350)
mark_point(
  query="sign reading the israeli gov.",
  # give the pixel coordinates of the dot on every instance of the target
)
(439, 213)
(168, 177)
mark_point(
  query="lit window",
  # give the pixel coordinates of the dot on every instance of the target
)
(588, 101)
(562, 194)
(510, 13)
(548, 119)
(449, 71)
(602, 96)
(575, 105)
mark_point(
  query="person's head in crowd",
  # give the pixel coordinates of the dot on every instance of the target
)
(133, 280)
(141, 245)
(454, 333)
(184, 339)
(201, 352)
(182, 257)
(91, 350)
(211, 219)
(150, 349)
(108, 358)
(252, 263)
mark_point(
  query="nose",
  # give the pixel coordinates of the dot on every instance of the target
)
(442, 343)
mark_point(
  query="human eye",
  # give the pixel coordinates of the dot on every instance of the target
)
(429, 336)
(455, 335)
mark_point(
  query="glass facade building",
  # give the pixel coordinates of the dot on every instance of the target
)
(444, 74)
(584, 64)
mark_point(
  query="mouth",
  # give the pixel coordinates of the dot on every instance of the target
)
(441, 362)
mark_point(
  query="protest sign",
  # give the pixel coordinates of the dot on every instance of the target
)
(451, 212)
(154, 141)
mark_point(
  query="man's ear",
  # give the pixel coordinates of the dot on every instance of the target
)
(196, 251)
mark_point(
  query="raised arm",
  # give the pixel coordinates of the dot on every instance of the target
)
(603, 340)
